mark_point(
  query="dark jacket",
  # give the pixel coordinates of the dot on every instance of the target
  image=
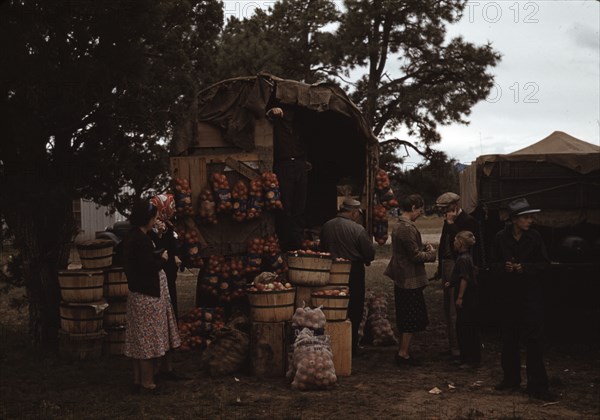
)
(407, 265)
(169, 243)
(344, 238)
(141, 263)
(446, 249)
(519, 289)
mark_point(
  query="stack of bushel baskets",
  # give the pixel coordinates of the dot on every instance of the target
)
(82, 307)
(115, 316)
(270, 313)
(323, 282)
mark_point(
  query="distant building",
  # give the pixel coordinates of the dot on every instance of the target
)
(91, 218)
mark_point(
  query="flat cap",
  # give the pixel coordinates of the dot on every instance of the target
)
(446, 199)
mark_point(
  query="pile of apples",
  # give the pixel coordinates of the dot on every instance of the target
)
(224, 278)
(307, 244)
(380, 224)
(268, 282)
(309, 253)
(254, 254)
(255, 199)
(272, 197)
(222, 191)
(197, 324)
(271, 245)
(342, 291)
(189, 234)
(183, 197)
(207, 210)
(239, 198)
(385, 194)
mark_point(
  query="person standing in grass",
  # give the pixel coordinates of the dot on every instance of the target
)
(151, 326)
(518, 260)
(407, 270)
(464, 283)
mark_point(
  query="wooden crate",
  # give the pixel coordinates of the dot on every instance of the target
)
(340, 334)
(303, 297)
(269, 345)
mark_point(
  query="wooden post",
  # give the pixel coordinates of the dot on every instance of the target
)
(303, 296)
(340, 334)
(268, 348)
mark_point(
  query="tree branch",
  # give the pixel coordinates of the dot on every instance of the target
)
(427, 153)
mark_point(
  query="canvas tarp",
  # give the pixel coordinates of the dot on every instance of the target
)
(558, 148)
(234, 105)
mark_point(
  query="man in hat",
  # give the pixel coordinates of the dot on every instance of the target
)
(344, 237)
(455, 220)
(518, 260)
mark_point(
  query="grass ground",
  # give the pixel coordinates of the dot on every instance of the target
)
(37, 385)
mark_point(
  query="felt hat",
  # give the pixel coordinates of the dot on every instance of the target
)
(519, 207)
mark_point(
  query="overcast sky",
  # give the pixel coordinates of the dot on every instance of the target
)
(548, 79)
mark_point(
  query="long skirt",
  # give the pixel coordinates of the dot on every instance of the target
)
(411, 311)
(151, 324)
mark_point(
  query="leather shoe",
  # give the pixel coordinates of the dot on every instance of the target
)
(406, 361)
(543, 395)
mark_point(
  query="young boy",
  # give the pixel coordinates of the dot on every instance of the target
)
(465, 292)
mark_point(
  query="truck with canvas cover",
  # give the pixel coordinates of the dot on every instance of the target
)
(560, 175)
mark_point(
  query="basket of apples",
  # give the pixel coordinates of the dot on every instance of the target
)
(309, 268)
(271, 300)
(333, 302)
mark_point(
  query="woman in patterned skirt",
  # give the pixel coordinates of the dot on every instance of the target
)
(407, 270)
(151, 326)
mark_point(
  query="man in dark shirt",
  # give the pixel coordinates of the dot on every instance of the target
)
(290, 166)
(518, 260)
(344, 237)
(455, 220)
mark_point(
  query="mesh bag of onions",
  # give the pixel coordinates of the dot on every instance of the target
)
(305, 317)
(227, 353)
(378, 324)
(312, 362)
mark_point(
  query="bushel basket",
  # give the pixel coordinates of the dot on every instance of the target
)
(96, 253)
(82, 318)
(81, 286)
(115, 283)
(273, 306)
(339, 275)
(308, 270)
(335, 308)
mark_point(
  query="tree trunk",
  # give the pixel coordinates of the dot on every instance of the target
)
(43, 238)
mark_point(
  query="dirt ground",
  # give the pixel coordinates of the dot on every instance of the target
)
(38, 385)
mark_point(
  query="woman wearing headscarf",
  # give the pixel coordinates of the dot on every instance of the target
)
(151, 325)
(164, 237)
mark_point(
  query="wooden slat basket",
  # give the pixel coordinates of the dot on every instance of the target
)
(87, 346)
(115, 283)
(339, 275)
(114, 342)
(81, 286)
(96, 253)
(116, 314)
(335, 308)
(307, 270)
(82, 318)
(273, 306)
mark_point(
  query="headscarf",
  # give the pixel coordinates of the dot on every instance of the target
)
(165, 205)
